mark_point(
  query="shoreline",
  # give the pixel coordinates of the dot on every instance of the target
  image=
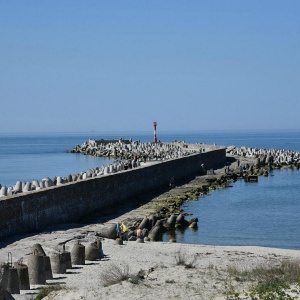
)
(208, 277)
(167, 280)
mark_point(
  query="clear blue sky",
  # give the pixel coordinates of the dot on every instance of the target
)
(120, 65)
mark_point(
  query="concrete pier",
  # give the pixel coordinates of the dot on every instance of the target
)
(36, 209)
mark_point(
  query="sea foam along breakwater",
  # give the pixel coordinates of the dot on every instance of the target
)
(34, 210)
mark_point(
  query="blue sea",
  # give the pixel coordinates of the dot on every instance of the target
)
(265, 213)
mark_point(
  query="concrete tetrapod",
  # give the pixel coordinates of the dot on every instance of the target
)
(171, 222)
(4, 294)
(68, 260)
(68, 257)
(78, 254)
(18, 187)
(41, 252)
(39, 249)
(4, 276)
(92, 252)
(145, 232)
(144, 224)
(58, 263)
(48, 268)
(13, 278)
(23, 275)
(156, 232)
(152, 221)
(36, 268)
(27, 187)
(3, 191)
(180, 219)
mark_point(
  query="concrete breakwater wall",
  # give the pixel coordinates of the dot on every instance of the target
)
(67, 203)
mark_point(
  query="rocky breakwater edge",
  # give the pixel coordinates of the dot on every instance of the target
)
(165, 213)
(242, 162)
(127, 155)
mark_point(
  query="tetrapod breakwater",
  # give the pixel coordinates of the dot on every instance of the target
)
(36, 209)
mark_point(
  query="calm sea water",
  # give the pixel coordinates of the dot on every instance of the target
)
(264, 213)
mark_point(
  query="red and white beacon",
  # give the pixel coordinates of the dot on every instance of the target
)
(155, 138)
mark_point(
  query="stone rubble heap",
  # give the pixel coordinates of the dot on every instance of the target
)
(146, 151)
(271, 157)
(131, 155)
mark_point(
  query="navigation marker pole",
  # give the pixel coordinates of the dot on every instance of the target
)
(155, 138)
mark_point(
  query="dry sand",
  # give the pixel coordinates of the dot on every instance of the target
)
(208, 279)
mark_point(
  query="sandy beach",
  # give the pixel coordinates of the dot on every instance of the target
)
(204, 274)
